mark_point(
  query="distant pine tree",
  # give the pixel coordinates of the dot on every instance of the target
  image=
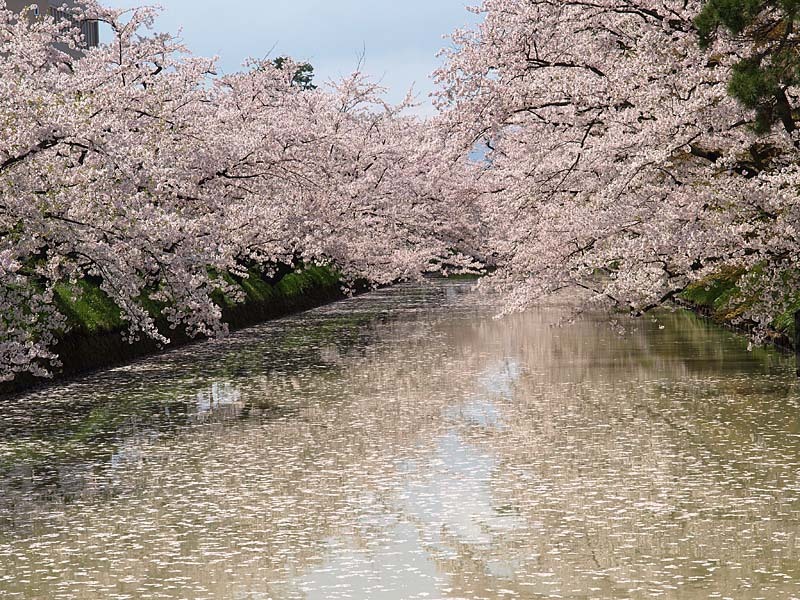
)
(304, 73)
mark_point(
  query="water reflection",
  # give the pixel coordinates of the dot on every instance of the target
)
(405, 444)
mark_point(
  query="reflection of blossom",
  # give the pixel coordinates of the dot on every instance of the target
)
(330, 354)
(221, 395)
(448, 452)
(500, 378)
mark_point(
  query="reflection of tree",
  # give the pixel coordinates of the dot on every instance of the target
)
(517, 458)
(637, 462)
(284, 474)
(83, 420)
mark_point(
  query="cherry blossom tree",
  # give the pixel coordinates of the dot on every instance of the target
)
(134, 165)
(617, 161)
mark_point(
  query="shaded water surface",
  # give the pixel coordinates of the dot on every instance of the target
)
(405, 444)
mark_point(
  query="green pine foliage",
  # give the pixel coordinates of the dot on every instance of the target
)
(734, 15)
(759, 81)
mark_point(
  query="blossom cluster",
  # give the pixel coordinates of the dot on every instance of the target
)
(617, 161)
(135, 166)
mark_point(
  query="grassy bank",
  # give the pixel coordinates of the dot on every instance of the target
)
(95, 337)
(721, 298)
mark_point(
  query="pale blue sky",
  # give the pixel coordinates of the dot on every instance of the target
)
(399, 38)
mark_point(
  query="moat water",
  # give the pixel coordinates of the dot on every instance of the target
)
(406, 444)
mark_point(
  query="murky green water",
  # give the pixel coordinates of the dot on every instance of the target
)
(404, 444)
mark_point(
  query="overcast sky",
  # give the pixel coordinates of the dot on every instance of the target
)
(399, 38)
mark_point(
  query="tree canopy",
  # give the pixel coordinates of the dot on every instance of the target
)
(631, 145)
